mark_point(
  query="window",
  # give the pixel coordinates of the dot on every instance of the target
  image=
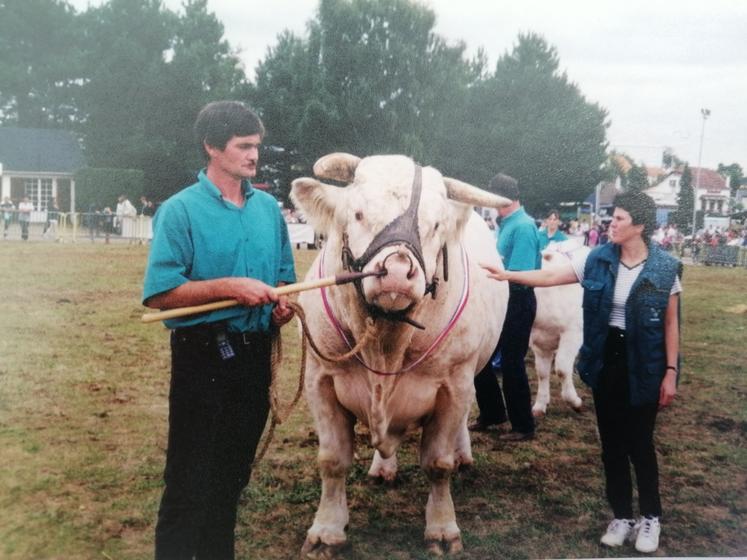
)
(31, 190)
(38, 191)
(672, 183)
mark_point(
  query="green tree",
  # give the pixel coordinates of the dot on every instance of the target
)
(530, 121)
(40, 63)
(637, 178)
(150, 72)
(370, 77)
(685, 200)
(735, 174)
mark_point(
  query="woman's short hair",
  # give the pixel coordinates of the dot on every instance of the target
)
(642, 210)
(552, 212)
(220, 121)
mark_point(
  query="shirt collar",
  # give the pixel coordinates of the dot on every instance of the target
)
(214, 191)
(513, 215)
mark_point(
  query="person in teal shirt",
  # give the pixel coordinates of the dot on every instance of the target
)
(518, 246)
(215, 240)
(551, 231)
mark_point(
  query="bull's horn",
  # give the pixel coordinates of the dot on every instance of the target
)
(462, 192)
(338, 167)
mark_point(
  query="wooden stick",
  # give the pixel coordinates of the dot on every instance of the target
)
(280, 291)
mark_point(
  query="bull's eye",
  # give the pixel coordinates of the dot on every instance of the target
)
(359, 215)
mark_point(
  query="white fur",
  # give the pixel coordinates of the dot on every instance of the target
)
(438, 393)
(557, 332)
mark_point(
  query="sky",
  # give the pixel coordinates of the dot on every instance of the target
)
(652, 64)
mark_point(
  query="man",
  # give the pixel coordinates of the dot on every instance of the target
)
(218, 239)
(7, 209)
(518, 245)
(126, 214)
(25, 207)
(53, 214)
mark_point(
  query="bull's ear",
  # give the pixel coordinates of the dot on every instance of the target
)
(463, 192)
(316, 200)
(337, 167)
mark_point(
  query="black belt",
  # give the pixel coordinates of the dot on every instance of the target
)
(209, 333)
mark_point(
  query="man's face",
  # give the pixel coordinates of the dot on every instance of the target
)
(239, 158)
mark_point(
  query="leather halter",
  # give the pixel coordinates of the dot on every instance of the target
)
(403, 230)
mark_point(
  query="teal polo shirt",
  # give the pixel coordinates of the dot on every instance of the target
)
(518, 242)
(544, 240)
(197, 235)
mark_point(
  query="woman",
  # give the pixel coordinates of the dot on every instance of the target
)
(551, 232)
(629, 358)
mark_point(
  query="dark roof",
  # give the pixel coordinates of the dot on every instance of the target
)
(607, 194)
(39, 150)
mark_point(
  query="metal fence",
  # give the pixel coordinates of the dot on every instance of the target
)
(76, 227)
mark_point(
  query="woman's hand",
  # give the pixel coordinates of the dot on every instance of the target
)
(668, 389)
(494, 272)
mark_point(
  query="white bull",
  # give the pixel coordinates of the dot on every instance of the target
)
(404, 377)
(557, 332)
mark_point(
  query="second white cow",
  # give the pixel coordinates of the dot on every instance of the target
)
(557, 333)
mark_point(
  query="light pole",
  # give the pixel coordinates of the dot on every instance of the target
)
(705, 114)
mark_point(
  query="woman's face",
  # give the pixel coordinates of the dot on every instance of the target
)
(622, 228)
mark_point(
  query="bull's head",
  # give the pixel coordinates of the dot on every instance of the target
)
(393, 217)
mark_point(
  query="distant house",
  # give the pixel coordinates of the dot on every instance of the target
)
(712, 193)
(39, 164)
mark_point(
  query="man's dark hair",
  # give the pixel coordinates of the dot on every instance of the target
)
(641, 208)
(220, 121)
(553, 211)
(504, 185)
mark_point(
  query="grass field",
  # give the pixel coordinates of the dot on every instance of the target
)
(83, 414)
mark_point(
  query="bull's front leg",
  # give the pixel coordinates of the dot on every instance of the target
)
(334, 427)
(438, 459)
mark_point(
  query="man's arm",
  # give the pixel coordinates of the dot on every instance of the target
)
(247, 291)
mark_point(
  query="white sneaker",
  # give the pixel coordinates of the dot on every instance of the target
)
(648, 534)
(617, 532)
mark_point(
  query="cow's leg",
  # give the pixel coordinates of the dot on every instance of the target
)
(335, 429)
(543, 367)
(383, 468)
(437, 458)
(463, 451)
(564, 359)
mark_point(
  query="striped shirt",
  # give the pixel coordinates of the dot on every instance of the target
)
(626, 277)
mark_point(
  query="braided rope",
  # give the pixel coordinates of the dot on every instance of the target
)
(276, 359)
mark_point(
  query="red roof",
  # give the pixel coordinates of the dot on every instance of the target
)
(709, 179)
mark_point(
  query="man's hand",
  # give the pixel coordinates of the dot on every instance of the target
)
(668, 389)
(252, 293)
(281, 313)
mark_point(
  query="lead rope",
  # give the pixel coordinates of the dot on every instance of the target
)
(276, 360)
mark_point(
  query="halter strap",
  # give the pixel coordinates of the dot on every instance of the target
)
(441, 336)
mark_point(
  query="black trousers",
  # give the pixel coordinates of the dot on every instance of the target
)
(627, 434)
(217, 411)
(513, 345)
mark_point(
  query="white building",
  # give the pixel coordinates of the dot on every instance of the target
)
(712, 194)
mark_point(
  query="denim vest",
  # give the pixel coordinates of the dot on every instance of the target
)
(645, 314)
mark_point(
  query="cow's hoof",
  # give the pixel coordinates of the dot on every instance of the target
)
(441, 547)
(538, 412)
(578, 408)
(317, 550)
